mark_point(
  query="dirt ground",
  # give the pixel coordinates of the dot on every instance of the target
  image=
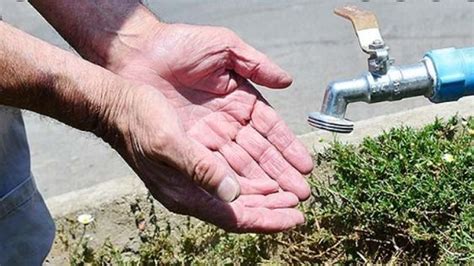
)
(115, 221)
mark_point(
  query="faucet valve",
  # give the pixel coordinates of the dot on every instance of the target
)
(370, 40)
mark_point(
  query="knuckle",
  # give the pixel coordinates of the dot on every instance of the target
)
(203, 171)
(229, 39)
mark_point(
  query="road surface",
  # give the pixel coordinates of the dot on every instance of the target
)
(303, 36)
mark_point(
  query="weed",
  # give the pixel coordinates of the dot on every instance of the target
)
(405, 196)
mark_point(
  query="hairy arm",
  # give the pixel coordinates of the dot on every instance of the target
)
(135, 119)
(42, 78)
(102, 31)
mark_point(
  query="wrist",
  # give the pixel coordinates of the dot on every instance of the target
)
(101, 31)
(110, 45)
(131, 40)
(83, 96)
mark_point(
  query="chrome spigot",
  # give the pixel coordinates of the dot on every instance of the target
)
(383, 81)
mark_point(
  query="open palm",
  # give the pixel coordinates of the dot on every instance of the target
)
(202, 71)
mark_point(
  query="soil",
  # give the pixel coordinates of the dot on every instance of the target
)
(115, 221)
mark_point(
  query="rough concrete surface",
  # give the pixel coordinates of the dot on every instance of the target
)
(301, 35)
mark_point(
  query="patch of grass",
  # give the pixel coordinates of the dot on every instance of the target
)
(405, 196)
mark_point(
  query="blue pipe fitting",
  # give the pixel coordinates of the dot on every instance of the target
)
(454, 73)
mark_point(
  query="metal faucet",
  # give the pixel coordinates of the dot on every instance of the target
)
(443, 75)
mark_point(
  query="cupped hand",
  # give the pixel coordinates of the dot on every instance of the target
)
(185, 176)
(202, 71)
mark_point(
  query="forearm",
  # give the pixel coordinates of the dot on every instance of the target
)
(102, 31)
(42, 78)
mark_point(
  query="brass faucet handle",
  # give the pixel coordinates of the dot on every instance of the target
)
(365, 25)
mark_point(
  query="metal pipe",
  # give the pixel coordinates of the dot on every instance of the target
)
(443, 75)
(398, 83)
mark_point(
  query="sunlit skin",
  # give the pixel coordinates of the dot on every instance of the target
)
(228, 115)
(211, 108)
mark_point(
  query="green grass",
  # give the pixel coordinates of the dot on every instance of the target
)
(405, 196)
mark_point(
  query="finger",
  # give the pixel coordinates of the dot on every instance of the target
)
(235, 217)
(258, 186)
(206, 170)
(267, 122)
(263, 220)
(242, 162)
(213, 131)
(254, 65)
(271, 201)
(182, 196)
(221, 82)
(272, 162)
(218, 135)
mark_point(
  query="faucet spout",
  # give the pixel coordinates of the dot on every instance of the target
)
(397, 83)
(336, 98)
(340, 93)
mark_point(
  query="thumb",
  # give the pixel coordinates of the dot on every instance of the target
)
(206, 170)
(254, 65)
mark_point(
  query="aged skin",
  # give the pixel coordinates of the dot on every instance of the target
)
(188, 119)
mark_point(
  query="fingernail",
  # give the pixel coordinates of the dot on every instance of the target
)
(228, 189)
(286, 79)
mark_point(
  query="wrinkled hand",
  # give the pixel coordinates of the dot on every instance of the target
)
(175, 167)
(228, 113)
(230, 118)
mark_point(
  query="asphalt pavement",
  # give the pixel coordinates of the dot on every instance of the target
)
(303, 36)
